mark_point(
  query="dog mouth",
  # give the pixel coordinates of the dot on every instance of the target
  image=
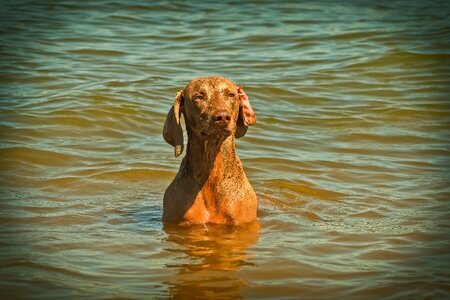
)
(219, 130)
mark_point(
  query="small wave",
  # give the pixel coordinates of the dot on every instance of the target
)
(48, 268)
(98, 52)
(303, 189)
(135, 175)
(35, 156)
(370, 214)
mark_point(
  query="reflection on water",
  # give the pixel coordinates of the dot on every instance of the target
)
(350, 155)
(213, 254)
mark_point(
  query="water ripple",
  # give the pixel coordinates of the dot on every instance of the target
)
(349, 157)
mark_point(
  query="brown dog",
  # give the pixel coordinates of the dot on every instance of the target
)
(210, 186)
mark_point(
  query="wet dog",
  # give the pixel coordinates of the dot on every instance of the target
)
(210, 186)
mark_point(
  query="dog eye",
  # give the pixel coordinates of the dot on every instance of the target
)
(198, 97)
(231, 95)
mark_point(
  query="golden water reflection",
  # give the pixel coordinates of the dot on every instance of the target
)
(212, 255)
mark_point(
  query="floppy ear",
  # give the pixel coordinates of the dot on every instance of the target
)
(172, 131)
(246, 117)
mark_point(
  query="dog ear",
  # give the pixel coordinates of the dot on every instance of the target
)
(172, 131)
(246, 117)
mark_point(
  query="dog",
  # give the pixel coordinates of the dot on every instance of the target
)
(210, 186)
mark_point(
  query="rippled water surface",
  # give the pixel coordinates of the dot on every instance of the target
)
(349, 156)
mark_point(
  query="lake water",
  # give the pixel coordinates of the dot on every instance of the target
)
(350, 155)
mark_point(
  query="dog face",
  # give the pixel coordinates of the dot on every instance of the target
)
(213, 107)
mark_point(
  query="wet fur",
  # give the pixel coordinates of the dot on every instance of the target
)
(210, 186)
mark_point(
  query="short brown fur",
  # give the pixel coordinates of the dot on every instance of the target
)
(210, 186)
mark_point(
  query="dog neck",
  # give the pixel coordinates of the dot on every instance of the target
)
(210, 158)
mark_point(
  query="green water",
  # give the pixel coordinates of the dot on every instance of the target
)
(349, 156)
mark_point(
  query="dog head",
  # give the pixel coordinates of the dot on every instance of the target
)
(213, 107)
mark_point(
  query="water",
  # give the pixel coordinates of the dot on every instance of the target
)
(349, 156)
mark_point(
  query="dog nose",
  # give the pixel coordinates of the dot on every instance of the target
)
(222, 117)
